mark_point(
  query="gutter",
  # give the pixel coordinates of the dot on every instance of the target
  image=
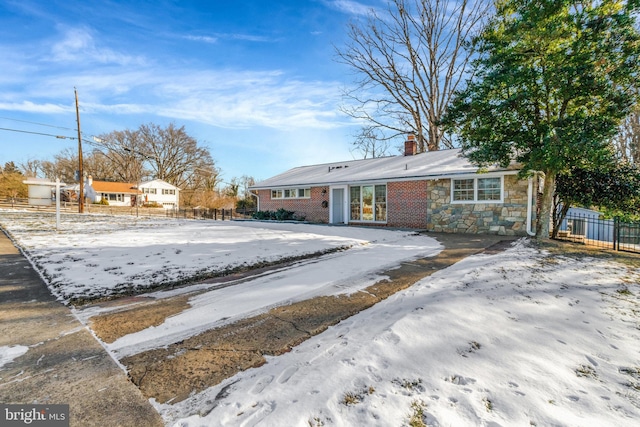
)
(529, 207)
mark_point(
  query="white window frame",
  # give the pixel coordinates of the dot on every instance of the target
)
(279, 193)
(475, 190)
(386, 204)
(113, 197)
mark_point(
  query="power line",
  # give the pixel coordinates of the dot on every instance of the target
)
(51, 126)
(39, 133)
(75, 138)
(36, 123)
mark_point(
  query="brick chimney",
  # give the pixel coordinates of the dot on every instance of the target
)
(410, 145)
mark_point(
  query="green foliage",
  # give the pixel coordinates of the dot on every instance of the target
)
(11, 185)
(279, 215)
(552, 82)
(10, 167)
(614, 188)
(246, 204)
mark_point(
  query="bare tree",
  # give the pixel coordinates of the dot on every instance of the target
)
(246, 181)
(118, 157)
(63, 166)
(173, 155)
(370, 142)
(409, 62)
(31, 167)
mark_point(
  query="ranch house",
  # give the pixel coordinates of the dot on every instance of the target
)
(437, 191)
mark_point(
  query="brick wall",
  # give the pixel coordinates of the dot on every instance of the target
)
(426, 205)
(311, 209)
(508, 218)
(407, 204)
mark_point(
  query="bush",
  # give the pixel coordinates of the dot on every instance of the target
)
(279, 215)
(152, 205)
(245, 204)
(103, 202)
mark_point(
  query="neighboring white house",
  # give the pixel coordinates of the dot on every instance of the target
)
(128, 194)
(161, 192)
(116, 193)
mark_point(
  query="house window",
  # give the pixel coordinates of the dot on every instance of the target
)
(463, 190)
(381, 202)
(149, 190)
(368, 203)
(166, 191)
(304, 192)
(489, 189)
(291, 193)
(355, 203)
(476, 190)
(113, 197)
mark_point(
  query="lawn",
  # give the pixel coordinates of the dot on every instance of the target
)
(529, 336)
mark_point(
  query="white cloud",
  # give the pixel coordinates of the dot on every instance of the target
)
(31, 107)
(78, 45)
(230, 36)
(350, 7)
(206, 39)
(242, 99)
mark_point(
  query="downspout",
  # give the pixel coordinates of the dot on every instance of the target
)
(257, 198)
(530, 207)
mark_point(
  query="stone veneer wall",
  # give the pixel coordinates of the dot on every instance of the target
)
(508, 218)
(311, 208)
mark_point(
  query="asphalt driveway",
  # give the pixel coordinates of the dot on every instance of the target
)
(64, 363)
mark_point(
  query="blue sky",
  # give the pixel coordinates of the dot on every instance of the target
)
(253, 80)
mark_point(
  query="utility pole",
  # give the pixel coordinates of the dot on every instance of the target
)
(80, 171)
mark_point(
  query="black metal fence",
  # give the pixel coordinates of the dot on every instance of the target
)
(604, 233)
(213, 214)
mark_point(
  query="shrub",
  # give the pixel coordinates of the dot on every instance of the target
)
(279, 215)
(246, 204)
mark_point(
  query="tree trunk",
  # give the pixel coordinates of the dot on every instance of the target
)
(542, 229)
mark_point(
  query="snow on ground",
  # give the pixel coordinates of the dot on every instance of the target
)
(510, 339)
(97, 255)
(517, 338)
(8, 353)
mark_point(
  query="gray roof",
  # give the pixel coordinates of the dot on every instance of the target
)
(431, 164)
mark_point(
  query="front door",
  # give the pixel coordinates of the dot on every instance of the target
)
(337, 206)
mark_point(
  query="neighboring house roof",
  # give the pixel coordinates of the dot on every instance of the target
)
(158, 183)
(431, 164)
(114, 187)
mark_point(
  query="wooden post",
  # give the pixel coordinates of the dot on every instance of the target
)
(80, 171)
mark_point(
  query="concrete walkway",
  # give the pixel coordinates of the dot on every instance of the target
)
(64, 363)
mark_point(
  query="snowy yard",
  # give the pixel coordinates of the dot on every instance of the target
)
(522, 337)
